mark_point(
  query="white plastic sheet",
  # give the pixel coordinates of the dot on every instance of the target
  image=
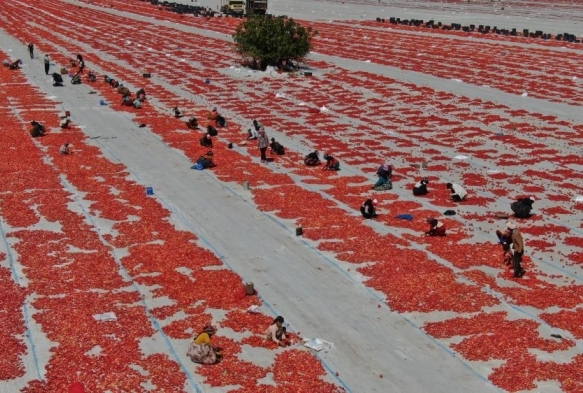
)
(462, 157)
(105, 317)
(317, 344)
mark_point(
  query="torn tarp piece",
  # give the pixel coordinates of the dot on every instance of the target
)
(317, 344)
(408, 217)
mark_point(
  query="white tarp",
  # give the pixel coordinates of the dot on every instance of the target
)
(105, 317)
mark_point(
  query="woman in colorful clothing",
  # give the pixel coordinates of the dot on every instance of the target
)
(201, 349)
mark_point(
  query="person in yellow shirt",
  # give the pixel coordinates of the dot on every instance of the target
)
(201, 349)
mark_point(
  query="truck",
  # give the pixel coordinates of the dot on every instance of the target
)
(233, 7)
(242, 7)
(255, 7)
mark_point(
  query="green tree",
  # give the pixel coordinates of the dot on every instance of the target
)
(263, 41)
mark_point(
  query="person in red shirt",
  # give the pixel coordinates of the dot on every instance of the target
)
(436, 227)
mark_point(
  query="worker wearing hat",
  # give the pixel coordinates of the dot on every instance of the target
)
(368, 208)
(518, 246)
(202, 349)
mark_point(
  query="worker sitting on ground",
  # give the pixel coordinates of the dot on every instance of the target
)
(332, 164)
(192, 123)
(212, 131)
(206, 161)
(276, 147)
(65, 122)
(177, 112)
(213, 117)
(252, 134)
(368, 208)
(436, 227)
(201, 349)
(127, 100)
(141, 94)
(37, 129)
(458, 193)
(385, 172)
(505, 240)
(57, 79)
(76, 79)
(421, 187)
(91, 76)
(276, 332)
(221, 122)
(522, 207)
(64, 149)
(206, 141)
(12, 65)
(312, 159)
(124, 91)
(253, 131)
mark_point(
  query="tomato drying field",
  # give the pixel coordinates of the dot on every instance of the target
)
(400, 311)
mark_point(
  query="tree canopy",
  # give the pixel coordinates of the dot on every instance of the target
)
(263, 41)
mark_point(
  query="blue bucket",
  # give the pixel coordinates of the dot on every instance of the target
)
(102, 102)
(199, 167)
(149, 191)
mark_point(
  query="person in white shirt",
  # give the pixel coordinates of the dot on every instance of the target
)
(276, 332)
(65, 122)
(458, 193)
(64, 149)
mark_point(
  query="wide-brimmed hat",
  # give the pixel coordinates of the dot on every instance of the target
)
(511, 225)
(209, 328)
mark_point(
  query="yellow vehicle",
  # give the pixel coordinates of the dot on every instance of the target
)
(233, 7)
